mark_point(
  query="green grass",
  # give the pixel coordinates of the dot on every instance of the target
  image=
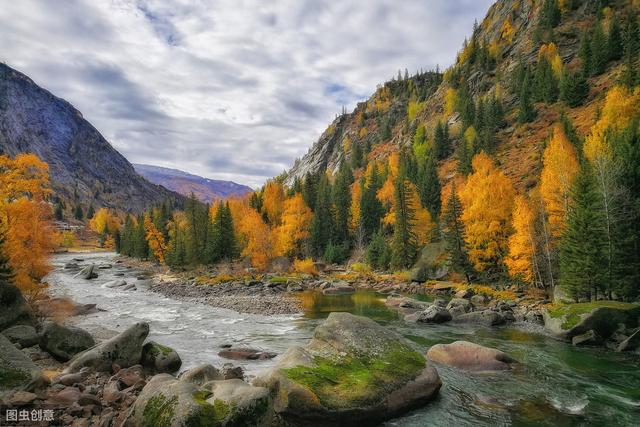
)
(574, 312)
(352, 382)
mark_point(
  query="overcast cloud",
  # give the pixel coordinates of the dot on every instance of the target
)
(227, 89)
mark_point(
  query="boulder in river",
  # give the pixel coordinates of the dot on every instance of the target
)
(88, 272)
(115, 284)
(588, 338)
(243, 353)
(25, 335)
(484, 317)
(352, 372)
(631, 343)
(470, 356)
(17, 370)
(125, 350)
(159, 358)
(463, 305)
(201, 374)
(13, 308)
(603, 317)
(433, 314)
(167, 401)
(339, 288)
(64, 342)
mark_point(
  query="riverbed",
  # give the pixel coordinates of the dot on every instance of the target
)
(555, 385)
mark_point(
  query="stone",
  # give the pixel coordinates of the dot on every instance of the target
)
(588, 338)
(82, 309)
(159, 358)
(25, 335)
(479, 300)
(21, 398)
(201, 374)
(115, 284)
(470, 356)
(242, 353)
(631, 343)
(71, 266)
(86, 399)
(230, 372)
(434, 314)
(129, 287)
(13, 308)
(294, 287)
(111, 392)
(312, 383)
(65, 397)
(17, 370)
(460, 302)
(419, 274)
(63, 342)
(339, 288)
(88, 272)
(166, 401)
(466, 293)
(125, 349)
(71, 379)
(484, 317)
(130, 376)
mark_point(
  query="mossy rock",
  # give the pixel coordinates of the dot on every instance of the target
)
(160, 358)
(352, 371)
(13, 308)
(17, 370)
(568, 320)
(169, 402)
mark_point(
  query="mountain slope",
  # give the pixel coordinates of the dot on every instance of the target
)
(509, 33)
(206, 190)
(84, 168)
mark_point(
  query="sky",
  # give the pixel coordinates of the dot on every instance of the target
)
(226, 89)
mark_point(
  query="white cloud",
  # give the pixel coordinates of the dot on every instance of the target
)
(229, 89)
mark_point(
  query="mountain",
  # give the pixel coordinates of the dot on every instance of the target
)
(512, 34)
(84, 168)
(206, 190)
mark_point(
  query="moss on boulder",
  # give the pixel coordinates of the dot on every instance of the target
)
(352, 371)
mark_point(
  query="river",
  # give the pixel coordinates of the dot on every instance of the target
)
(556, 384)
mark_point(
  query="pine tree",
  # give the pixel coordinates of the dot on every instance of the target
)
(322, 222)
(378, 252)
(574, 89)
(614, 40)
(356, 155)
(342, 202)
(454, 235)
(584, 53)
(58, 213)
(404, 244)
(546, 86)
(224, 234)
(140, 245)
(581, 254)
(6, 272)
(526, 113)
(631, 47)
(91, 211)
(599, 51)
(441, 142)
(429, 187)
(371, 210)
(550, 14)
(77, 213)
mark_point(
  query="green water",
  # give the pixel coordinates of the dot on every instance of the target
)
(556, 384)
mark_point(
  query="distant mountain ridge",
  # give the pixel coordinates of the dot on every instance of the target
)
(84, 168)
(205, 189)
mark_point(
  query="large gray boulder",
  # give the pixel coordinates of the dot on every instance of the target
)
(124, 350)
(159, 358)
(25, 335)
(88, 272)
(602, 317)
(353, 371)
(13, 308)
(470, 356)
(484, 317)
(631, 343)
(167, 401)
(434, 314)
(17, 370)
(64, 342)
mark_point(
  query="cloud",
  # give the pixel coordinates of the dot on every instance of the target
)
(226, 89)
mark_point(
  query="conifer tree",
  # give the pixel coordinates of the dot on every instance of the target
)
(223, 241)
(546, 86)
(441, 142)
(581, 253)
(454, 235)
(550, 14)
(356, 155)
(58, 212)
(599, 50)
(378, 252)
(584, 53)
(91, 211)
(322, 222)
(6, 272)
(371, 209)
(77, 212)
(342, 203)
(614, 40)
(631, 47)
(140, 245)
(404, 244)
(574, 88)
(429, 187)
(526, 113)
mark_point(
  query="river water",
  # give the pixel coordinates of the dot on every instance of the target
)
(556, 384)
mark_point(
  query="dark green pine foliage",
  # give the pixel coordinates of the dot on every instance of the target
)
(466, 107)
(310, 190)
(221, 242)
(6, 272)
(378, 252)
(454, 235)
(404, 246)
(550, 14)
(127, 237)
(197, 216)
(582, 260)
(465, 155)
(545, 83)
(599, 50)
(614, 39)
(429, 187)
(322, 221)
(570, 131)
(574, 88)
(441, 141)
(140, 244)
(630, 39)
(526, 112)
(371, 210)
(584, 53)
(77, 212)
(91, 211)
(341, 195)
(356, 155)
(58, 213)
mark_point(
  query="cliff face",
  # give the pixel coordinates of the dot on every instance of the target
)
(84, 167)
(206, 190)
(511, 33)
